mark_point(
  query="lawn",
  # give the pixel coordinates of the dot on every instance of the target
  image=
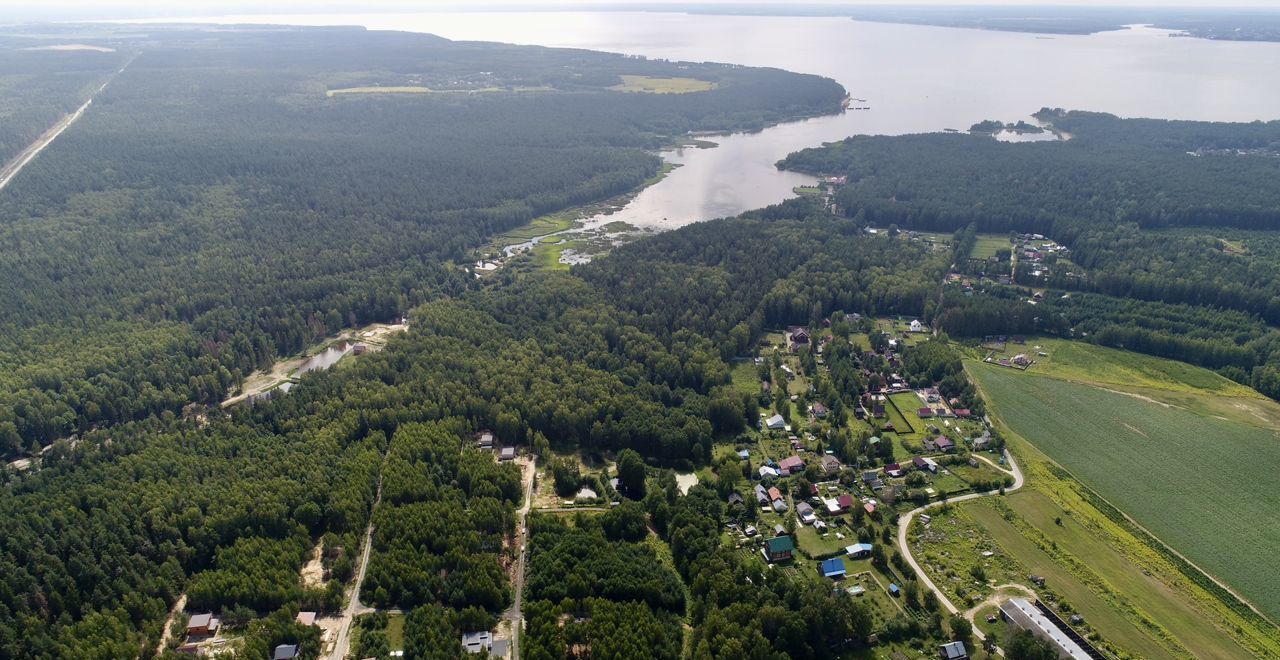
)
(903, 412)
(652, 85)
(988, 244)
(817, 546)
(1201, 484)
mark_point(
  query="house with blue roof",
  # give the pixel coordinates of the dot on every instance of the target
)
(832, 568)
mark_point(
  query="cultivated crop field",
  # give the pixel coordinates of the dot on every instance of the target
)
(1203, 485)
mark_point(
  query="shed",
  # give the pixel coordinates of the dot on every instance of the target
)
(507, 454)
(306, 618)
(894, 590)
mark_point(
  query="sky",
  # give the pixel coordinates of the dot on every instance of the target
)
(24, 10)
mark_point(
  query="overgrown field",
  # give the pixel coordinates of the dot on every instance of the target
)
(654, 85)
(1201, 484)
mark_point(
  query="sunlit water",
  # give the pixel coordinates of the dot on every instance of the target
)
(913, 79)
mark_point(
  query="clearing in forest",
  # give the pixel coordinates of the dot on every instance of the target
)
(652, 85)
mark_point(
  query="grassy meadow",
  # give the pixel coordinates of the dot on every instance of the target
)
(653, 85)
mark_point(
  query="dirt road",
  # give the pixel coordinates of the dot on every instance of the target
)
(341, 646)
(11, 169)
(514, 613)
(904, 524)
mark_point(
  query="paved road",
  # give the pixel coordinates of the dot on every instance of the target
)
(11, 169)
(904, 524)
(343, 643)
(514, 614)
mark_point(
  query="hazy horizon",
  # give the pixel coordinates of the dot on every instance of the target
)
(74, 10)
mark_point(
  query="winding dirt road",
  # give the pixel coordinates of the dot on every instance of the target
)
(904, 524)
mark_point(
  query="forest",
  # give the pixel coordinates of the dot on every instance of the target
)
(224, 509)
(1147, 208)
(191, 227)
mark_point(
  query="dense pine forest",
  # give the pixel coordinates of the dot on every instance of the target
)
(218, 209)
(1150, 210)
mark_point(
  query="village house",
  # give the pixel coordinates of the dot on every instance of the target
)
(775, 423)
(779, 549)
(805, 512)
(762, 496)
(744, 454)
(858, 550)
(507, 454)
(944, 444)
(779, 530)
(924, 413)
(735, 498)
(917, 326)
(832, 568)
(830, 464)
(922, 463)
(818, 411)
(478, 642)
(791, 465)
(797, 336)
(953, 651)
(767, 472)
(485, 441)
(202, 625)
(872, 478)
(306, 618)
(285, 652)
(893, 470)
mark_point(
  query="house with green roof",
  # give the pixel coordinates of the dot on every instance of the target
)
(779, 549)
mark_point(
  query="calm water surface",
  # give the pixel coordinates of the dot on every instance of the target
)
(914, 78)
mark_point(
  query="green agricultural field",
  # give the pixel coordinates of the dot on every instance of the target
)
(653, 85)
(1202, 484)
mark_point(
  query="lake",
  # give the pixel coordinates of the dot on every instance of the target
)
(912, 78)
